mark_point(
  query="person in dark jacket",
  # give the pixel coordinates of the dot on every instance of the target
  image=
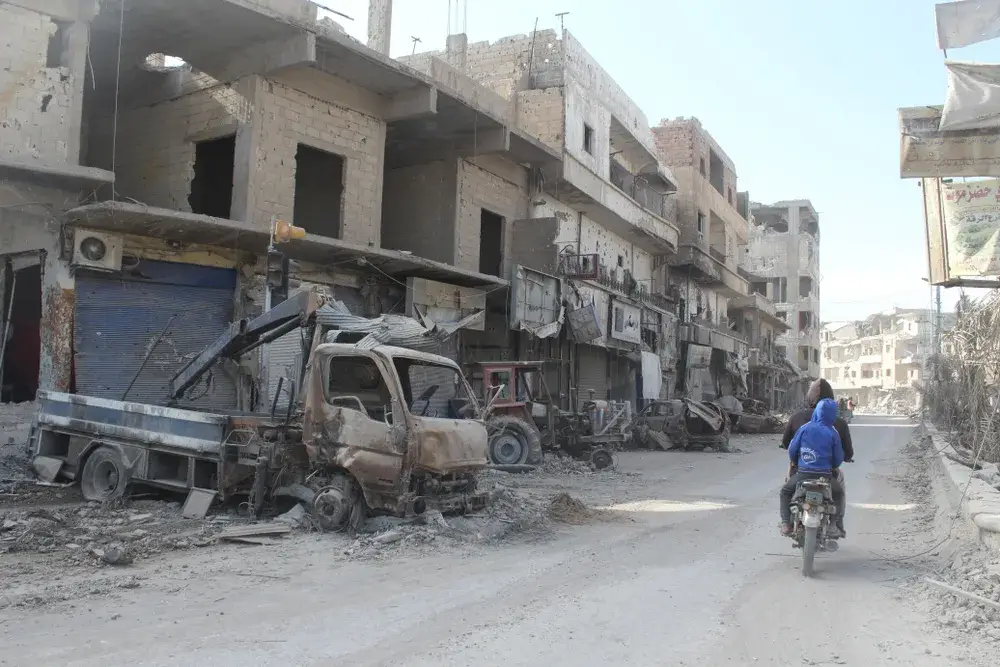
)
(819, 390)
(815, 451)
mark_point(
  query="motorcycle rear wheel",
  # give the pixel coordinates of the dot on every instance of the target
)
(809, 545)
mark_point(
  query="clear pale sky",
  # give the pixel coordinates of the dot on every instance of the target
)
(802, 95)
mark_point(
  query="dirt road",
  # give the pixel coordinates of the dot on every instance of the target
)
(688, 571)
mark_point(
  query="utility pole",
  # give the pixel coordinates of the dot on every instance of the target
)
(561, 16)
(937, 333)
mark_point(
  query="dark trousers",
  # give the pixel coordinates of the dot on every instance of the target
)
(788, 490)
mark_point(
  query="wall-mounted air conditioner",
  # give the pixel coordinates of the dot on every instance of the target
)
(97, 250)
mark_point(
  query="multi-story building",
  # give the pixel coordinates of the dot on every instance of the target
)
(769, 379)
(706, 273)
(144, 168)
(887, 352)
(599, 226)
(783, 257)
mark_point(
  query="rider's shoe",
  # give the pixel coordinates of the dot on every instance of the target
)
(840, 527)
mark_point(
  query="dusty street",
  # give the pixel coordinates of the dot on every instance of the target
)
(688, 570)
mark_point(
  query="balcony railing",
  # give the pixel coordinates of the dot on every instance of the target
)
(642, 194)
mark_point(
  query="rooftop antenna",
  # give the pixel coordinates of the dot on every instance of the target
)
(415, 41)
(561, 16)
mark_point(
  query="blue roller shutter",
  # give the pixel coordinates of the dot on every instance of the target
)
(119, 317)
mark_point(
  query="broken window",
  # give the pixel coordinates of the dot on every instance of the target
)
(433, 390)
(779, 289)
(588, 138)
(20, 336)
(212, 185)
(730, 196)
(319, 191)
(805, 286)
(490, 243)
(701, 223)
(57, 44)
(759, 287)
(356, 382)
(701, 167)
(815, 356)
(888, 372)
(716, 174)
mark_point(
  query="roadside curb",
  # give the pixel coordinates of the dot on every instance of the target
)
(980, 504)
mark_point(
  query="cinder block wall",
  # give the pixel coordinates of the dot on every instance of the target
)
(542, 114)
(418, 210)
(292, 117)
(497, 186)
(37, 105)
(155, 147)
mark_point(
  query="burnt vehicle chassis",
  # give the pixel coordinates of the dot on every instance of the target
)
(681, 424)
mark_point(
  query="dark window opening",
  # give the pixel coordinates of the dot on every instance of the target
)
(21, 336)
(815, 356)
(805, 320)
(729, 196)
(621, 260)
(805, 286)
(212, 185)
(490, 243)
(780, 290)
(716, 174)
(319, 191)
(355, 383)
(759, 288)
(701, 222)
(701, 167)
(57, 44)
(588, 138)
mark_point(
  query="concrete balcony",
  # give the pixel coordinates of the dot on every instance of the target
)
(697, 261)
(709, 198)
(712, 335)
(615, 210)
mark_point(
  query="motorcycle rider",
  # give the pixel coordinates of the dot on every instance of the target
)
(819, 390)
(815, 451)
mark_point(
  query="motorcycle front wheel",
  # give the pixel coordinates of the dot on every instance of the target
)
(809, 551)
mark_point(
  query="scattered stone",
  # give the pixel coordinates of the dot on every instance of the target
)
(389, 537)
(116, 554)
(47, 468)
(434, 518)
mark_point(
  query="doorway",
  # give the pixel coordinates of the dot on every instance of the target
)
(20, 331)
(212, 185)
(319, 191)
(490, 243)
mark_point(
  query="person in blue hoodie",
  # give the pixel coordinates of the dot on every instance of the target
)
(815, 451)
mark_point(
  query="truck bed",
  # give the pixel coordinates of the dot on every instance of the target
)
(200, 433)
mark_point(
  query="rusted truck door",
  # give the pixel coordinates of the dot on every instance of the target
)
(354, 419)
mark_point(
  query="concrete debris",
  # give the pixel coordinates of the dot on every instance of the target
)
(197, 504)
(47, 468)
(115, 554)
(567, 509)
(296, 517)
(256, 530)
(15, 427)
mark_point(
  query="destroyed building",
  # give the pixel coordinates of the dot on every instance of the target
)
(783, 257)
(148, 153)
(883, 357)
(592, 244)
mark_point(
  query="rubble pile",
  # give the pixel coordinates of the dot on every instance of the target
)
(15, 427)
(891, 403)
(976, 571)
(93, 534)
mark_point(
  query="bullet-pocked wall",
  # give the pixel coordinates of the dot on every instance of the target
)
(43, 58)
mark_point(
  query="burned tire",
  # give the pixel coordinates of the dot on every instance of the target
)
(602, 458)
(104, 476)
(514, 441)
(339, 506)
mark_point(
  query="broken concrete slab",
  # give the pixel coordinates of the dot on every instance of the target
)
(295, 517)
(47, 468)
(255, 530)
(197, 503)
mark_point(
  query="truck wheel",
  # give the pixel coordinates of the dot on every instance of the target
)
(104, 475)
(335, 505)
(514, 441)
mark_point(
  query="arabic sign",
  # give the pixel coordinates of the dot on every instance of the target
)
(971, 214)
(625, 322)
(926, 151)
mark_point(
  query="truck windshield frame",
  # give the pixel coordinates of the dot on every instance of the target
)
(434, 391)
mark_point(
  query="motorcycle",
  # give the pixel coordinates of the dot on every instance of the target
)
(813, 513)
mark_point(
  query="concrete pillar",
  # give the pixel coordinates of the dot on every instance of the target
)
(455, 48)
(379, 25)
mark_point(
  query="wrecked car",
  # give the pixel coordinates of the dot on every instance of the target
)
(370, 427)
(681, 424)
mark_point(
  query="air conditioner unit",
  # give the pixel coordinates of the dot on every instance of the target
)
(97, 250)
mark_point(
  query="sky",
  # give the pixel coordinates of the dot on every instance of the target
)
(802, 96)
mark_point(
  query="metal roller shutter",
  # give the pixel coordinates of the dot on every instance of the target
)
(592, 372)
(118, 318)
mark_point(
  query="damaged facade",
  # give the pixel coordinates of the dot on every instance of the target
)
(884, 355)
(783, 258)
(137, 208)
(592, 243)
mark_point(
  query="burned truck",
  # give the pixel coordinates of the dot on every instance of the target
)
(681, 424)
(370, 427)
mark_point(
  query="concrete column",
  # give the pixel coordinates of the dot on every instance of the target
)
(248, 138)
(379, 25)
(455, 49)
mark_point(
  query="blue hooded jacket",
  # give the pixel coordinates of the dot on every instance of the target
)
(816, 446)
